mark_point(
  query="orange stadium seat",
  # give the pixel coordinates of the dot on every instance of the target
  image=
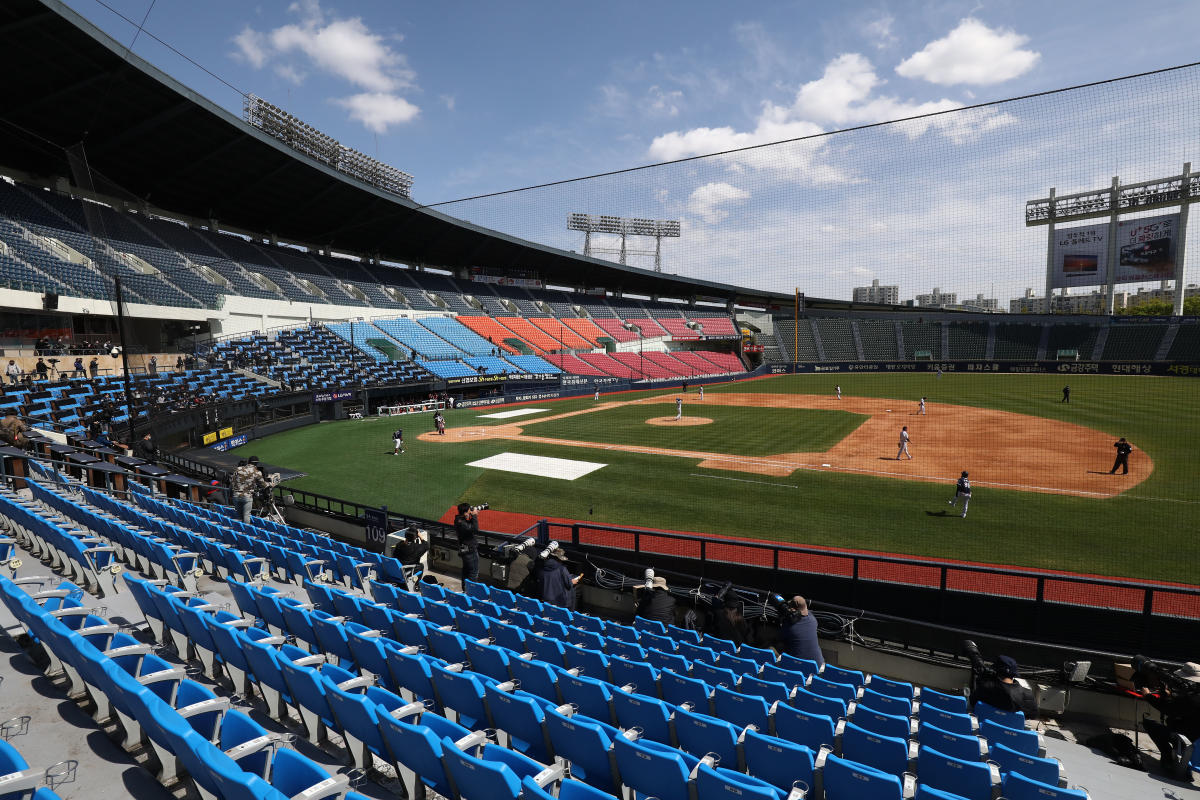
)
(489, 329)
(555, 328)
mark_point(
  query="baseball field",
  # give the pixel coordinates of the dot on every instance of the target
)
(783, 459)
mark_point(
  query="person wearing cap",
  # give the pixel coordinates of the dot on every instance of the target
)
(656, 603)
(997, 685)
(1124, 448)
(556, 584)
(962, 490)
(798, 634)
(411, 550)
(245, 480)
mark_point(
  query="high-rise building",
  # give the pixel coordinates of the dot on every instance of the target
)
(937, 299)
(887, 295)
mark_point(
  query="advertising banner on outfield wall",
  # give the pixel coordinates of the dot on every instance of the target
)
(1186, 370)
(1145, 252)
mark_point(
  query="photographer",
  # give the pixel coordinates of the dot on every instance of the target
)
(1176, 696)
(798, 629)
(466, 526)
(997, 685)
(556, 584)
(728, 622)
(410, 551)
(246, 480)
(655, 600)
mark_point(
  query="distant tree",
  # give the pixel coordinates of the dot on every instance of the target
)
(1161, 308)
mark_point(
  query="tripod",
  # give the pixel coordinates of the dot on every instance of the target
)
(266, 508)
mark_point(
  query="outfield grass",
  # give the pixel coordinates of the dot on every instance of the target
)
(769, 431)
(1150, 532)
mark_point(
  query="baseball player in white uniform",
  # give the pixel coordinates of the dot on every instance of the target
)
(921, 407)
(678, 408)
(838, 390)
(701, 392)
(962, 490)
(904, 444)
(597, 396)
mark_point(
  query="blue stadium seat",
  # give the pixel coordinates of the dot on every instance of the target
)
(962, 724)
(416, 751)
(679, 689)
(885, 753)
(789, 678)
(1009, 719)
(461, 694)
(891, 688)
(1046, 770)
(489, 660)
(640, 675)
(495, 774)
(567, 790)
(1018, 787)
(965, 746)
(521, 720)
(814, 703)
(844, 779)
(412, 675)
(841, 675)
(881, 723)
(721, 784)
(701, 734)
(713, 675)
(814, 731)
(741, 709)
(536, 678)
(778, 762)
(973, 780)
(1019, 739)
(844, 691)
(589, 696)
(805, 665)
(651, 715)
(888, 704)
(771, 691)
(586, 744)
(660, 660)
(947, 702)
(654, 770)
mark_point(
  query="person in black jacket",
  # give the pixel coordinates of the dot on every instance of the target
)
(798, 632)
(997, 685)
(557, 585)
(656, 603)
(411, 548)
(728, 622)
(1124, 448)
(466, 526)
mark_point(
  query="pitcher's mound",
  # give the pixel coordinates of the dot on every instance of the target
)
(679, 422)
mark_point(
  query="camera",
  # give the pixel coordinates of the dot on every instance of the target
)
(480, 507)
(783, 607)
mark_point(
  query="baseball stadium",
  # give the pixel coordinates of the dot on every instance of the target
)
(291, 459)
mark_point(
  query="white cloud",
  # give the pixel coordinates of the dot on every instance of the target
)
(844, 95)
(706, 201)
(663, 102)
(252, 47)
(448, 101)
(344, 48)
(379, 110)
(972, 53)
(879, 31)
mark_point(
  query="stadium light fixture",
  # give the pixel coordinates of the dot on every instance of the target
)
(304, 138)
(624, 227)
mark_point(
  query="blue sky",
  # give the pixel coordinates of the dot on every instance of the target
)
(476, 97)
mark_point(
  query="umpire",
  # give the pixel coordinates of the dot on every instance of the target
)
(1124, 448)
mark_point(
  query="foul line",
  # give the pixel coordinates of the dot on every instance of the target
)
(743, 480)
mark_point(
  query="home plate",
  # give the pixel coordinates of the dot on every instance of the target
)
(827, 465)
(541, 466)
(516, 412)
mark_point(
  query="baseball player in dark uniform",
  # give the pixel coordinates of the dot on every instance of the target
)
(1124, 448)
(962, 490)
(1066, 394)
(398, 441)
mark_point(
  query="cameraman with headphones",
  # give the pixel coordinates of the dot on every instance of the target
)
(798, 629)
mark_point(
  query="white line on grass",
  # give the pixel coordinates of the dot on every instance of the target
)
(743, 480)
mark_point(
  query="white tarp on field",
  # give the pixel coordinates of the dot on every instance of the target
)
(516, 412)
(562, 468)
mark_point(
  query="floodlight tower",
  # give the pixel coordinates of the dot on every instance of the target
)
(623, 227)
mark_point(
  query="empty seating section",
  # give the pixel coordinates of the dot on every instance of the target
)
(1133, 342)
(357, 335)
(716, 324)
(615, 329)
(436, 686)
(650, 328)
(534, 364)
(1186, 346)
(642, 366)
(967, 340)
(574, 365)
(1017, 341)
(677, 328)
(1080, 338)
(921, 336)
(558, 330)
(837, 338)
(609, 365)
(585, 328)
(878, 337)
(801, 347)
(430, 340)
(493, 332)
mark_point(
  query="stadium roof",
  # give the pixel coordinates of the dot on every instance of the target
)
(168, 147)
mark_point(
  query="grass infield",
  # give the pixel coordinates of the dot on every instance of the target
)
(1152, 531)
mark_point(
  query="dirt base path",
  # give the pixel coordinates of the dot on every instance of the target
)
(1001, 449)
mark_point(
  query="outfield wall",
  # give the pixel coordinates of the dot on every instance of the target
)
(1166, 368)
